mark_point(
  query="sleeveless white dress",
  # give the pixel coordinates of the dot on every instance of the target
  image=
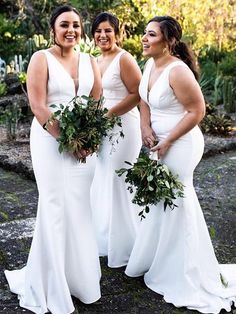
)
(173, 248)
(114, 215)
(63, 258)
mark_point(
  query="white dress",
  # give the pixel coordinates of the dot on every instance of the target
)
(114, 215)
(63, 258)
(173, 249)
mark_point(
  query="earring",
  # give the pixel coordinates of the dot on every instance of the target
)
(164, 51)
(52, 38)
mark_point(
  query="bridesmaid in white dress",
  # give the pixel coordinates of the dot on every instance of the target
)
(173, 249)
(63, 258)
(114, 215)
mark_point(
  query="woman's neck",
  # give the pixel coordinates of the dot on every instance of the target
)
(162, 61)
(114, 50)
(63, 52)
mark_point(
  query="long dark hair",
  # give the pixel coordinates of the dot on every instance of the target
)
(172, 33)
(58, 11)
(106, 17)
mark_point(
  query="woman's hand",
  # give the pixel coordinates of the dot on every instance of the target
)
(82, 154)
(161, 148)
(148, 136)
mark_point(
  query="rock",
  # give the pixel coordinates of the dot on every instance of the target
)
(11, 78)
(14, 88)
(21, 101)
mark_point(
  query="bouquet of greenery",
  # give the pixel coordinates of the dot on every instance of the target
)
(83, 124)
(152, 182)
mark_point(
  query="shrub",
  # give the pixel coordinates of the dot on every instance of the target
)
(3, 89)
(10, 117)
(32, 45)
(212, 54)
(88, 46)
(134, 46)
(11, 41)
(229, 94)
(227, 66)
(209, 72)
(216, 124)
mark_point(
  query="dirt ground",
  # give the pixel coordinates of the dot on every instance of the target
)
(215, 183)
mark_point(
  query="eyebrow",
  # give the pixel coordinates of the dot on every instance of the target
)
(107, 28)
(69, 22)
(151, 31)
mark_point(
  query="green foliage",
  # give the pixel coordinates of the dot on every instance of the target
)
(229, 94)
(11, 40)
(205, 83)
(209, 40)
(141, 63)
(210, 109)
(131, 18)
(216, 124)
(32, 16)
(212, 232)
(218, 78)
(219, 31)
(88, 46)
(227, 66)
(152, 182)
(10, 117)
(211, 53)
(83, 124)
(218, 90)
(3, 88)
(22, 76)
(37, 42)
(133, 45)
(209, 72)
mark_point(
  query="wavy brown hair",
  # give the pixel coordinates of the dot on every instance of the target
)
(172, 33)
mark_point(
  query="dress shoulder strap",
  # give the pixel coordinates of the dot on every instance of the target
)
(121, 53)
(174, 64)
(46, 52)
(85, 63)
(51, 59)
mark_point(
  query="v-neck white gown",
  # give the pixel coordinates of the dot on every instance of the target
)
(173, 249)
(115, 216)
(63, 258)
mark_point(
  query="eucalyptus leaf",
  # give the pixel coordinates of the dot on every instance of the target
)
(83, 125)
(150, 178)
(151, 182)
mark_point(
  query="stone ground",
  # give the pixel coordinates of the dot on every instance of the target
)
(215, 183)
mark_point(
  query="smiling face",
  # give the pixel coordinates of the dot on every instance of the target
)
(153, 40)
(105, 37)
(67, 29)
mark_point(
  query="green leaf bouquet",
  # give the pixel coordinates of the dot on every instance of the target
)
(83, 124)
(152, 182)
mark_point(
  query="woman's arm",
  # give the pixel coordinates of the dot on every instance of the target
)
(131, 76)
(96, 91)
(37, 78)
(148, 135)
(188, 92)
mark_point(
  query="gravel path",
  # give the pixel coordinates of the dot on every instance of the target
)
(215, 182)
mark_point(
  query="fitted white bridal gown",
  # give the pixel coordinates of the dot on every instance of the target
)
(114, 215)
(63, 258)
(173, 249)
